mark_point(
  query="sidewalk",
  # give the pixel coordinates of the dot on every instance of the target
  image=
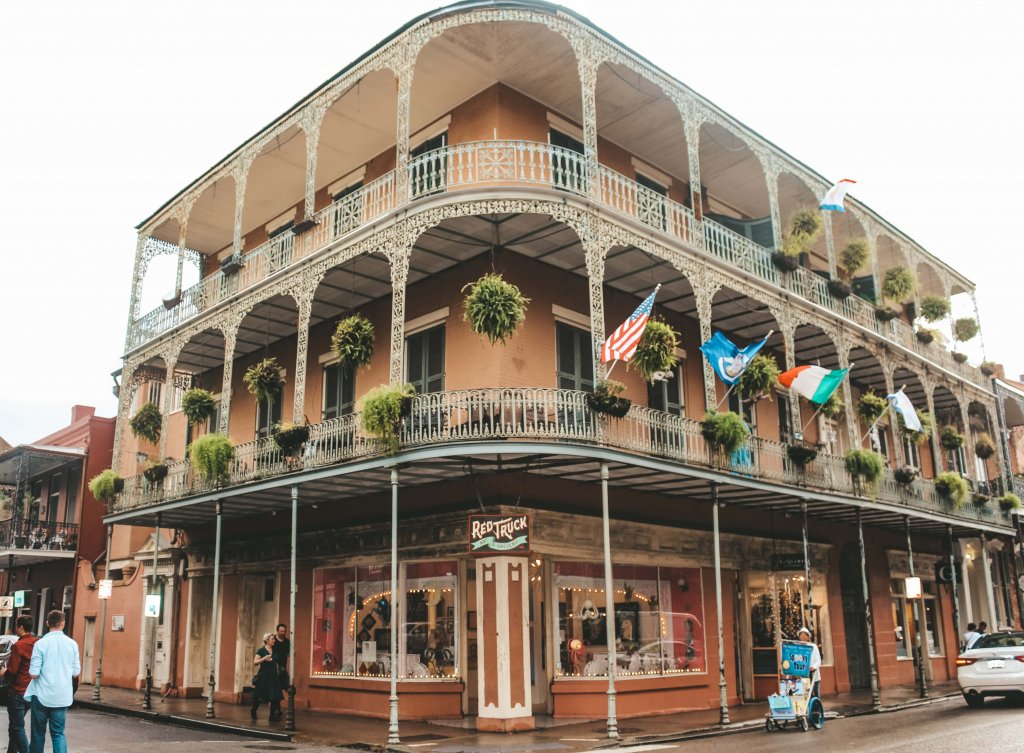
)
(558, 736)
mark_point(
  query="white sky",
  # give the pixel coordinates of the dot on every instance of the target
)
(110, 108)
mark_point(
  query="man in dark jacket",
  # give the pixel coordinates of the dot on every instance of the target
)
(16, 675)
(282, 648)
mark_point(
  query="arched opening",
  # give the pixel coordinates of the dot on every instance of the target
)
(275, 192)
(949, 417)
(734, 191)
(867, 376)
(795, 196)
(201, 363)
(813, 346)
(211, 222)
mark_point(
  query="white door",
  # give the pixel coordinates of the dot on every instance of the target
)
(87, 644)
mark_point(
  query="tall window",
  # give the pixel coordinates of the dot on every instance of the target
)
(53, 501)
(428, 167)
(268, 413)
(745, 408)
(339, 383)
(575, 358)
(154, 393)
(667, 395)
(424, 360)
(74, 481)
(785, 417)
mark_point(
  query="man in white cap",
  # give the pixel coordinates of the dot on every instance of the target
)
(804, 635)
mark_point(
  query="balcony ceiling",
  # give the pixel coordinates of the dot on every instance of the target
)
(42, 459)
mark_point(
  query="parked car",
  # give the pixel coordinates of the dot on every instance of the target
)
(994, 666)
(6, 644)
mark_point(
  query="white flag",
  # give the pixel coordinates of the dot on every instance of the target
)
(902, 405)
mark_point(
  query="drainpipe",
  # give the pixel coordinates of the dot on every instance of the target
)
(609, 605)
(876, 699)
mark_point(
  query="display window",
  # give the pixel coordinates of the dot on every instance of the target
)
(905, 615)
(659, 620)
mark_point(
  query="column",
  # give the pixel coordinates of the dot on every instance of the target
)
(289, 723)
(970, 459)
(125, 395)
(876, 701)
(771, 177)
(147, 699)
(723, 697)
(809, 600)
(796, 424)
(595, 277)
(953, 584)
(305, 305)
(399, 277)
(691, 127)
(405, 61)
(899, 456)
(588, 66)
(230, 337)
(935, 446)
(609, 606)
(138, 273)
(103, 622)
(852, 430)
(312, 117)
(921, 647)
(396, 610)
(986, 564)
(704, 291)
(215, 616)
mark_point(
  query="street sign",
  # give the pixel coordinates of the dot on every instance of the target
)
(19, 598)
(6, 606)
(106, 588)
(152, 608)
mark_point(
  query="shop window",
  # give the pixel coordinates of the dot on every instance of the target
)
(659, 620)
(352, 621)
(905, 619)
(339, 384)
(777, 608)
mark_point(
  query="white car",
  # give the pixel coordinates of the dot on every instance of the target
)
(994, 666)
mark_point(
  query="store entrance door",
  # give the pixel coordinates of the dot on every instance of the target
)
(852, 586)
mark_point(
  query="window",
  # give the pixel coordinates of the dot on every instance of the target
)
(268, 414)
(785, 417)
(659, 620)
(352, 621)
(53, 502)
(428, 166)
(650, 202)
(567, 162)
(745, 408)
(905, 616)
(912, 452)
(154, 393)
(667, 394)
(74, 481)
(424, 360)
(784, 593)
(339, 383)
(575, 358)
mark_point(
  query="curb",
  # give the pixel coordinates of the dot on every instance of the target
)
(184, 721)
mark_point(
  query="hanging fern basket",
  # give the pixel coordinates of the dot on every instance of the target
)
(352, 341)
(605, 399)
(656, 350)
(801, 455)
(264, 380)
(494, 308)
(198, 405)
(147, 422)
(290, 437)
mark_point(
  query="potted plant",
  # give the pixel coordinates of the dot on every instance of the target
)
(656, 350)
(897, 286)
(353, 340)
(231, 264)
(980, 500)
(984, 447)
(494, 308)
(833, 407)
(870, 407)
(918, 437)
(960, 357)
(950, 438)
(605, 398)
(965, 329)
(724, 432)
(290, 437)
(864, 467)
(953, 487)
(264, 380)
(934, 308)
(988, 368)
(106, 486)
(839, 288)
(198, 405)
(804, 229)
(801, 454)
(147, 422)
(211, 456)
(904, 476)
(1009, 501)
(925, 335)
(759, 378)
(382, 411)
(155, 471)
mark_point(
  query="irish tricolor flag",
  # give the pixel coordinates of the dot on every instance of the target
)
(813, 382)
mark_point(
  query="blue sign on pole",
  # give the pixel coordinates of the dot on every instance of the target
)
(19, 598)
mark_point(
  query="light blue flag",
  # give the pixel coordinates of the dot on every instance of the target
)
(728, 361)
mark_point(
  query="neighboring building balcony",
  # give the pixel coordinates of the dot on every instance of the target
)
(29, 541)
(484, 165)
(550, 420)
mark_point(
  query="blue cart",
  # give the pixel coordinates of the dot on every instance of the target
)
(795, 701)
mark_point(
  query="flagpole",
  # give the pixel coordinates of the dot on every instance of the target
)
(875, 422)
(607, 374)
(822, 405)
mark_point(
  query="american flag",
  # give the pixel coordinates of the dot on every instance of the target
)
(623, 341)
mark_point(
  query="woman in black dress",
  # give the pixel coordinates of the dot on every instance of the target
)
(267, 685)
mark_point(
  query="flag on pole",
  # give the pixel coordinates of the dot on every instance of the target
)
(623, 341)
(729, 361)
(833, 199)
(813, 382)
(902, 405)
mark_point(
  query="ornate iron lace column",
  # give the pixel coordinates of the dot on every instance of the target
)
(241, 174)
(304, 295)
(595, 258)
(771, 177)
(125, 395)
(399, 277)
(588, 65)
(704, 290)
(230, 338)
(138, 272)
(405, 60)
(312, 117)
(691, 129)
(843, 346)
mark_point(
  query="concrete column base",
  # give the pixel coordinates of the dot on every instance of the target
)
(515, 724)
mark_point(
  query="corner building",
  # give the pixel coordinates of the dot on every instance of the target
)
(519, 138)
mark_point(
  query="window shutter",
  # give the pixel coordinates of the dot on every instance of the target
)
(331, 407)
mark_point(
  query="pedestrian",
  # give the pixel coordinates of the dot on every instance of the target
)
(982, 627)
(971, 635)
(17, 678)
(804, 635)
(267, 683)
(282, 650)
(53, 667)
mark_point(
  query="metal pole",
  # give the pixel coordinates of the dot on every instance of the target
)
(393, 738)
(953, 585)
(919, 646)
(289, 722)
(609, 606)
(103, 623)
(723, 698)
(147, 698)
(809, 601)
(214, 618)
(876, 699)
(989, 594)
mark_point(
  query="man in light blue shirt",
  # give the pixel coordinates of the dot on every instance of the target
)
(54, 663)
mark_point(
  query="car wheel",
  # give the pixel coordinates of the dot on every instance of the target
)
(974, 700)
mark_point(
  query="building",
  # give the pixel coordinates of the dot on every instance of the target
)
(518, 138)
(52, 526)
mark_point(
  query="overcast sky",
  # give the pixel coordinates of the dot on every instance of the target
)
(109, 109)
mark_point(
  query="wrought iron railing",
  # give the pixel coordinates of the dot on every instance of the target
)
(482, 164)
(18, 533)
(542, 415)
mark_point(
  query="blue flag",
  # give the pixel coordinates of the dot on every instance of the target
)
(728, 361)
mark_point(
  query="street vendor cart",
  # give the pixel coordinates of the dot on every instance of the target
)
(795, 702)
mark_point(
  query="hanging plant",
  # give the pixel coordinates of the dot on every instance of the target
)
(918, 437)
(886, 314)
(926, 336)
(211, 456)
(984, 447)
(605, 398)
(352, 341)
(980, 500)
(155, 471)
(106, 486)
(264, 380)
(965, 329)
(801, 454)
(290, 437)
(146, 423)
(656, 350)
(953, 487)
(198, 405)
(899, 284)
(839, 288)
(382, 411)
(724, 432)
(1009, 502)
(960, 357)
(759, 378)
(833, 407)
(904, 476)
(870, 407)
(855, 255)
(950, 438)
(494, 308)
(934, 308)
(864, 467)
(988, 368)
(785, 262)
(804, 229)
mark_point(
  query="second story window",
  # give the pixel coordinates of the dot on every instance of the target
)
(155, 393)
(667, 395)
(785, 417)
(424, 360)
(575, 358)
(745, 408)
(74, 481)
(53, 501)
(268, 413)
(339, 383)
(428, 167)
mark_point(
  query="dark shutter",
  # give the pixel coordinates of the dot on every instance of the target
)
(575, 358)
(425, 360)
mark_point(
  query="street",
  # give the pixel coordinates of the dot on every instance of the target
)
(945, 727)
